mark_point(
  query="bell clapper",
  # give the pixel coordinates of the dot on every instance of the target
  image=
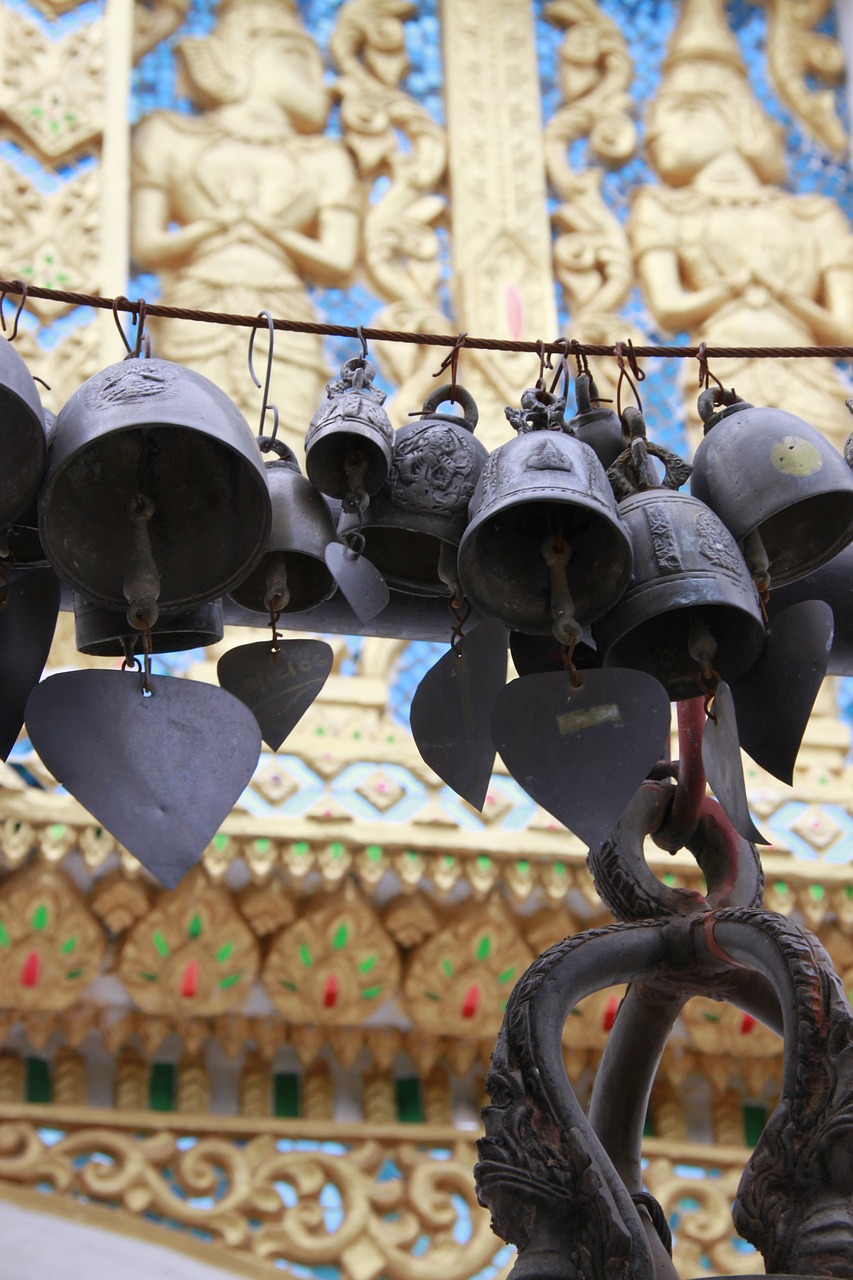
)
(758, 563)
(702, 648)
(141, 584)
(277, 594)
(556, 553)
(448, 571)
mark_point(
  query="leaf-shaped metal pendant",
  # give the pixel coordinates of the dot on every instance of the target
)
(160, 772)
(723, 768)
(277, 685)
(361, 583)
(27, 623)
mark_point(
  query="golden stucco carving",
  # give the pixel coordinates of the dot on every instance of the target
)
(248, 198)
(153, 21)
(192, 954)
(797, 53)
(713, 242)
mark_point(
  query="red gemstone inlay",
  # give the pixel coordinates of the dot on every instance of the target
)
(189, 981)
(747, 1023)
(31, 970)
(471, 1001)
(610, 1011)
(330, 992)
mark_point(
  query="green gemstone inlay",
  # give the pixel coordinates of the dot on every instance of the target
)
(484, 946)
(711, 1017)
(368, 964)
(57, 830)
(449, 860)
(4, 935)
(507, 974)
(161, 944)
(148, 977)
(374, 852)
(522, 866)
(220, 841)
(817, 891)
(289, 986)
(305, 955)
(430, 995)
(484, 862)
(39, 920)
(69, 945)
(73, 973)
(559, 868)
(370, 993)
(341, 936)
(229, 980)
(336, 850)
(302, 848)
(262, 845)
(224, 952)
(447, 965)
(669, 878)
(194, 927)
(780, 886)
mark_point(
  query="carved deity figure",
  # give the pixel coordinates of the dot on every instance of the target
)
(240, 206)
(722, 251)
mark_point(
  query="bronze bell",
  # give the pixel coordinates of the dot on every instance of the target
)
(22, 436)
(348, 444)
(106, 633)
(292, 575)
(156, 494)
(691, 608)
(596, 424)
(545, 549)
(832, 582)
(414, 523)
(777, 484)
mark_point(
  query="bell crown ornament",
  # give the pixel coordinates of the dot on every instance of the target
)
(291, 576)
(415, 522)
(545, 549)
(691, 606)
(776, 483)
(595, 423)
(348, 443)
(156, 494)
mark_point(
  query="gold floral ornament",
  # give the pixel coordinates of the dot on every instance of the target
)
(458, 982)
(335, 965)
(193, 955)
(50, 945)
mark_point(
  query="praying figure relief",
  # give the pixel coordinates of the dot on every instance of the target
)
(721, 249)
(241, 206)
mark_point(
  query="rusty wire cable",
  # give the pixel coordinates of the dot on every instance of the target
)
(358, 332)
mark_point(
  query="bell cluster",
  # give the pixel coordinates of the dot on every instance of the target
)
(151, 498)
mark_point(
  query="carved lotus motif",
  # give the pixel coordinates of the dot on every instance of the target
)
(50, 944)
(192, 955)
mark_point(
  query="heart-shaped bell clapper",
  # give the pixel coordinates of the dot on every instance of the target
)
(774, 700)
(277, 682)
(29, 607)
(451, 711)
(722, 763)
(159, 766)
(360, 582)
(581, 752)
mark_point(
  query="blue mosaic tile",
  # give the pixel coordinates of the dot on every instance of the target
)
(65, 23)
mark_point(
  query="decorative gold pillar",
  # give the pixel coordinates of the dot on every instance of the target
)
(377, 1096)
(69, 1078)
(255, 1086)
(11, 1078)
(130, 1088)
(193, 1084)
(318, 1091)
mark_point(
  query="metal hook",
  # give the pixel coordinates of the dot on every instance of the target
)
(544, 363)
(126, 305)
(141, 314)
(580, 356)
(705, 374)
(624, 375)
(266, 406)
(22, 285)
(360, 331)
(451, 360)
(563, 370)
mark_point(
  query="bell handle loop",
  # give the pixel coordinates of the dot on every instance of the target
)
(714, 398)
(269, 444)
(124, 304)
(583, 395)
(456, 395)
(544, 363)
(451, 361)
(266, 407)
(625, 360)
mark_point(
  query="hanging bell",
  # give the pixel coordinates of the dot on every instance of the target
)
(348, 444)
(22, 536)
(545, 549)
(777, 484)
(106, 633)
(691, 609)
(833, 583)
(292, 576)
(414, 523)
(596, 424)
(22, 436)
(156, 494)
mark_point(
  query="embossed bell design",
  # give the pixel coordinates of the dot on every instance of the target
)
(23, 446)
(156, 495)
(776, 483)
(414, 523)
(348, 444)
(596, 424)
(691, 606)
(291, 576)
(545, 549)
(106, 633)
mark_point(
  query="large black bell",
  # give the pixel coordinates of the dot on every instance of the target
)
(22, 436)
(106, 633)
(156, 492)
(777, 484)
(291, 576)
(414, 523)
(690, 595)
(833, 583)
(348, 443)
(544, 540)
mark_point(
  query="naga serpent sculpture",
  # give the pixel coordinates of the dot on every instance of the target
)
(566, 1188)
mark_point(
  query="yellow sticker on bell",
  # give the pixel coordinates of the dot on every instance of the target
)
(574, 721)
(795, 456)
